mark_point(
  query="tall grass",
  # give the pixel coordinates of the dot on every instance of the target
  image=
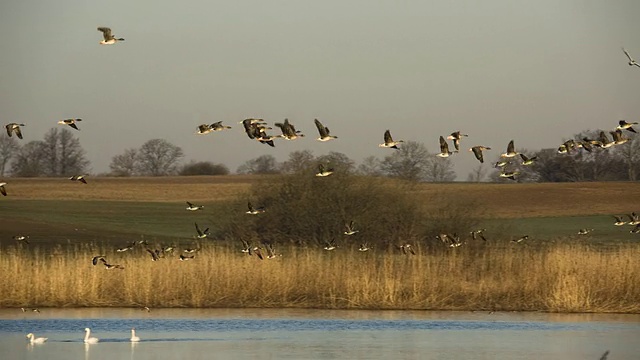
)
(557, 278)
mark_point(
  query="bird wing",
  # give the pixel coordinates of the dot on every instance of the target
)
(106, 33)
(189, 204)
(73, 125)
(478, 153)
(321, 129)
(3, 191)
(19, 132)
(628, 56)
(444, 147)
(8, 127)
(629, 129)
(387, 137)
(510, 147)
(524, 157)
(198, 229)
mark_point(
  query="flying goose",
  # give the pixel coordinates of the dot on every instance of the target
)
(35, 340)
(154, 254)
(635, 230)
(364, 247)
(78, 178)
(21, 238)
(477, 151)
(109, 39)
(246, 247)
(192, 207)
(110, 266)
(634, 219)
(70, 122)
(349, 228)
(3, 191)
(520, 239)
(323, 131)
(97, 258)
(201, 234)
(509, 174)
(271, 253)
(217, 126)
(204, 129)
(526, 161)
(322, 171)
(254, 211)
(289, 131)
(500, 164)
(406, 249)
(619, 221)
(511, 152)
(478, 233)
(456, 136)
(330, 245)
(585, 231)
(631, 61)
(604, 140)
(444, 149)
(250, 126)
(388, 141)
(14, 128)
(126, 248)
(186, 258)
(622, 125)
(617, 137)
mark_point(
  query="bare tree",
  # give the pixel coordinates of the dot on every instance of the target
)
(370, 166)
(439, 170)
(477, 174)
(299, 161)
(125, 164)
(29, 160)
(204, 168)
(8, 148)
(158, 157)
(410, 162)
(265, 164)
(339, 161)
(630, 154)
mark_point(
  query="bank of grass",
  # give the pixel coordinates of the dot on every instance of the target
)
(563, 277)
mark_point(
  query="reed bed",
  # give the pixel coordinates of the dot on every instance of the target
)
(555, 278)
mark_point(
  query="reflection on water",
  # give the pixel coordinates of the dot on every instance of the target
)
(317, 334)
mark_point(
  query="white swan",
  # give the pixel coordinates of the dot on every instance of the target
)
(87, 339)
(134, 338)
(35, 340)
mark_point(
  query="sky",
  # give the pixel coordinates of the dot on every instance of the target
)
(536, 72)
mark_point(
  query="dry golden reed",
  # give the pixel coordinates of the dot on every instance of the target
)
(556, 278)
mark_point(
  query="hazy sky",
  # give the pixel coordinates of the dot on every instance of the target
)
(533, 71)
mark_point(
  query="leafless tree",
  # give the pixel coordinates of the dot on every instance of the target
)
(124, 164)
(29, 160)
(410, 162)
(339, 161)
(478, 174)
(370, 166)
(439, 170)
(158, 157)
(265, 164)
(8, 149)
(204, 168)
(298, 161)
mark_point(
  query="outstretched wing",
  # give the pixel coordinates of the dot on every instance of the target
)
(321, 129)
(478, 153)
(444, 147)
(510, 147)
(19, 133)
(387, 137)
(8, 127)
(106, 33)
(628, 56)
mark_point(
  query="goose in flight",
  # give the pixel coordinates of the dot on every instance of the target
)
(526, 161)
(619, 221)
(70, 122)
(388, 141)
(97, 258)
(444, 149)
(364, 247)
(250, 126)
(585, 231)
(322, 171)
(87, 337)
(330, 245)
(350, 229)
(604, 140)
(478, 233)
(204, 129)
(24, 238)
(323, 131)
(511, 152)
(3, 191)
(134, 338)
(622, 125)
(634, 219)
(501, 164)
(201, 234)
(109, 39)
(617, 137)
(217, 126)
(456, 136)
(289, 131)
(14, 128)
(254, 211)
(632, 62)
(34, 340)
(509, 174)
(477, 151)
(192, 207)
(520, 239)
(78, 178)
(406, 249)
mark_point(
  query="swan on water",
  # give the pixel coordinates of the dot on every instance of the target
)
(35, 340)
(134, 338)
(87, 339)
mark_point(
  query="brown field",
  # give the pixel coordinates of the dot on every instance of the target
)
(562, 278)
(497, 200)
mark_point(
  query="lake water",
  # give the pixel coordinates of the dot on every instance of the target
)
(317, 334)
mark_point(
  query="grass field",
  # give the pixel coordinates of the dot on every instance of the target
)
(555, 270)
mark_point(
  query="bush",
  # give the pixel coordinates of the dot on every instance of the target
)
(204, 168)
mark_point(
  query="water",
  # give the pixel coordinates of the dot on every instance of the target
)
(317, 334)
